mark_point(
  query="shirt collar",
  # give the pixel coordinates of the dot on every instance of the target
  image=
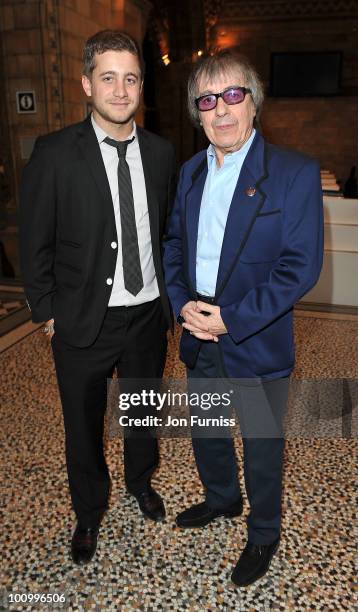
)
(235, 157)
(101, 134)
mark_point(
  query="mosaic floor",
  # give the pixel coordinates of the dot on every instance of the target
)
(13, 308)
(144, 566)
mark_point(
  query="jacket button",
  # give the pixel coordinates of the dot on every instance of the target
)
(113, 245)
(109, 281)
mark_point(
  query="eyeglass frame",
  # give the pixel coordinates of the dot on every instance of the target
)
(245, 90)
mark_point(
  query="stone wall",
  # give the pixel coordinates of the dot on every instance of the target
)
(323, 127)
(41, 51)
(78, 19)
(42, 42)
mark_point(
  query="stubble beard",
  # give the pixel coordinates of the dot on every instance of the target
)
(115, 120)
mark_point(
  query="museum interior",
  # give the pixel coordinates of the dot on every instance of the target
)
(306, 53)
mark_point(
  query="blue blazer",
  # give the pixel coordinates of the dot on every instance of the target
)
(271, 256)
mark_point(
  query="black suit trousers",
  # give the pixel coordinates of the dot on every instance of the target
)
(133, 341)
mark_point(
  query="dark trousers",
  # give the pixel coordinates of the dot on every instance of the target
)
(260, 408)
(132, 340)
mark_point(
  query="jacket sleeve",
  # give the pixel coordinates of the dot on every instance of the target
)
(173, 255)
(298, 266)
(38, 231)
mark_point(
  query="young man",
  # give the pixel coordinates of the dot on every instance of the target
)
(244, 244)
(94, 204)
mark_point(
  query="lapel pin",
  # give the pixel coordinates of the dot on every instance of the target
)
(250, 191)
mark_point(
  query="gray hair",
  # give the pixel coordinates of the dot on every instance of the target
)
(222, 63)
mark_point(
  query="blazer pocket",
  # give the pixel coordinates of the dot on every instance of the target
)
(68, 266)
(270, 212)
(264, 242)
(70, 243)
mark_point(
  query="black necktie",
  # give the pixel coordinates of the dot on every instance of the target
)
(132, 272)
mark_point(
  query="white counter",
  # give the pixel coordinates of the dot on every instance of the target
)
(338, 283)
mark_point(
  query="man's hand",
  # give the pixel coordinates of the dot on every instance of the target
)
(215, 324)
(195, 322)
(201, 326)
(49, 328)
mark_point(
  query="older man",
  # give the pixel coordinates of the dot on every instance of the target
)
(244, 244)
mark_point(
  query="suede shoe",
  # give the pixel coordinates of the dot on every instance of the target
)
(84, 544)
(254, 562)
(151, 505)
(201, 515)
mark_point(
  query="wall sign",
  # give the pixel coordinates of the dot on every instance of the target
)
(26, 102)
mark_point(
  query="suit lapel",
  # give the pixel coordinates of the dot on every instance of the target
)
(192, 211)
(243, 210)
(150, 169)
(91, 152)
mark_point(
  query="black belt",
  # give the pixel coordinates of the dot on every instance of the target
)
(130, 306)
(207, 299)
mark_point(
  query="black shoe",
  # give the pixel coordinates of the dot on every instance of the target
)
(84, 544)
(253, 563)
(151, 505)
(201, 514)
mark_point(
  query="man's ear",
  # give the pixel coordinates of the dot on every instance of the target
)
(141, 87)
(87, 86)
(254, 110)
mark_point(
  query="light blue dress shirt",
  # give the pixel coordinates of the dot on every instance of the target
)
(215, 204)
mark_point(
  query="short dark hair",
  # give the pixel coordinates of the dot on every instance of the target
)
(109, 40)
(223, 62)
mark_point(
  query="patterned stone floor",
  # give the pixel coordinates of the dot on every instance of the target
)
(144, 566)
(13, 308)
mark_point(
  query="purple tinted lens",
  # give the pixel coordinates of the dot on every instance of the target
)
(207, 103)
(233, 96)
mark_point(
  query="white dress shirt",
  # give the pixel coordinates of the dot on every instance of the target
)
(120, 296)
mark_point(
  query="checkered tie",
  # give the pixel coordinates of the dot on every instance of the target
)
(132, 272)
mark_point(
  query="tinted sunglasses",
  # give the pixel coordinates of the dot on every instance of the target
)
(231, 95)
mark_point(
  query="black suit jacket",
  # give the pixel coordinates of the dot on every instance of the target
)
(67, 225)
